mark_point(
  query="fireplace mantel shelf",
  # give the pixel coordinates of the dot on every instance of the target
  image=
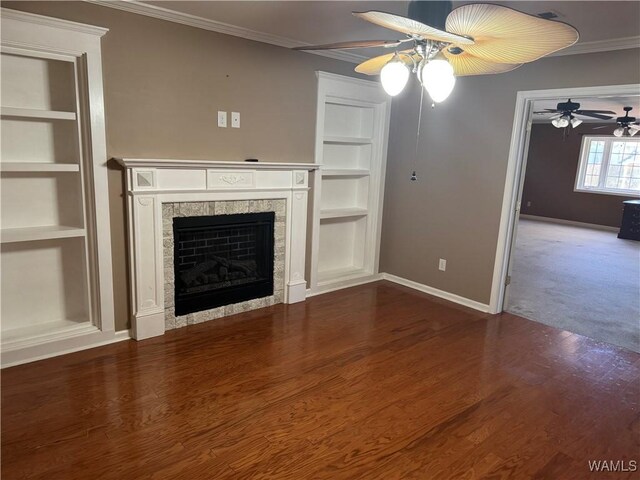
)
(188, 164)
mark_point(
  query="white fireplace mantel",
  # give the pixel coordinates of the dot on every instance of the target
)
(152, 182)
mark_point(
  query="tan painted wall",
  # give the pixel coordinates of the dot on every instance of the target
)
(549, 182)
(453, 211)
(164, 83)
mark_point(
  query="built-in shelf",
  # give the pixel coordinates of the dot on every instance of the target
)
(351, 134)
(345, 172)
(340, 273)
(38, 167)
(343, 213)
(35, 113)
(26, 234)
(53, 176)
(347, 140)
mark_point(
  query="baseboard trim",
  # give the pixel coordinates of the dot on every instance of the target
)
(561, 221)
(354, 282)
(16, 358)
(452, 297)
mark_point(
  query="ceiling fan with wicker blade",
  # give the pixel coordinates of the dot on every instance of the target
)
(627, 126)
(565, 114)
(474, 39)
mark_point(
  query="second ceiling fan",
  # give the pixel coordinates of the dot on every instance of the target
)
(567, 113)
(628, 126)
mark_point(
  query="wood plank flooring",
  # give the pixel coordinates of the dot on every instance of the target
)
(373, 382)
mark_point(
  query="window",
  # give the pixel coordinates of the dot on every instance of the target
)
(609, 165)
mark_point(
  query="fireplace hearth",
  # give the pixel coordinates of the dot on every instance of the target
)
(222, 259)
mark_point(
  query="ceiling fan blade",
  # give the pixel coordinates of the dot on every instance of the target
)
(602, 126)
(355, 44)
(594, 115)
(504, 35)
(557, 115)
(582, 112)
(465, 64)
(411, 27)
(375, 64)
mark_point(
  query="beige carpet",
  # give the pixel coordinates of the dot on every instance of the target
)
(578, 279)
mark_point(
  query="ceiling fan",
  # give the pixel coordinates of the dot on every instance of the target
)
(627, 126)
(441, 44)
(565, 114)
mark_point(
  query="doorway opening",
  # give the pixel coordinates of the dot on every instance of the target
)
(559, 259)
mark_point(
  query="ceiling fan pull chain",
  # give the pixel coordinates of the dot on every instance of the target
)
(415, 158)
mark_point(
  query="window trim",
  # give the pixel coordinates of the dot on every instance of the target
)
(582, 168)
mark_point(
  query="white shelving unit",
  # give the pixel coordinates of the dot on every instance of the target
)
(56, 252)
(351, 146)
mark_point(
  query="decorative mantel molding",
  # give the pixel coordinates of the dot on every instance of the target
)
(154, 182)
(195, 164)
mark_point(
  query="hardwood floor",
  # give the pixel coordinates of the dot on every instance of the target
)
(375, 382)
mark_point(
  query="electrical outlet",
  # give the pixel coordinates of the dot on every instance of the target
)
(222, 119)
(235, 119)
(528, 204)
(442, 265)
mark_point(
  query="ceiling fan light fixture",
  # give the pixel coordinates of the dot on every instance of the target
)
(561, 122)
(619, 132)
(575, 122)
(394, 76)
(438, 79)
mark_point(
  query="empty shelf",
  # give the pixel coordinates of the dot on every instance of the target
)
(35, 113)
(339, 273)
(345, 172)
(343, 212)
(46, 329)
(38, 167)
(347, 140)
(11, 235)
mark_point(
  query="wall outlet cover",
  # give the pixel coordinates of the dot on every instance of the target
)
(235, 119)
(442, 265)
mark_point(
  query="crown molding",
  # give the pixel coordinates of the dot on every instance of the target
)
(6, 13)
(138, 7)
(134, 6)
(624, 43)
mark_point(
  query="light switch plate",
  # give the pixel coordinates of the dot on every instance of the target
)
(222, 119)
(442, 265)
(235, 119)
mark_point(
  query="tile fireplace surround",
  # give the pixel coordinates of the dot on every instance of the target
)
(159, 190)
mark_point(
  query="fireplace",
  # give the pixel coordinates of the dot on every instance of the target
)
(222, 259)
(160, 191)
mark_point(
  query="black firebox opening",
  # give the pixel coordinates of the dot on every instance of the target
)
(222, 259)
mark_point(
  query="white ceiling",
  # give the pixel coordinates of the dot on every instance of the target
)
(614, 104)
(316, 22)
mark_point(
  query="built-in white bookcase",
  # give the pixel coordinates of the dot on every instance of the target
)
(55, 258)
(351, 145)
